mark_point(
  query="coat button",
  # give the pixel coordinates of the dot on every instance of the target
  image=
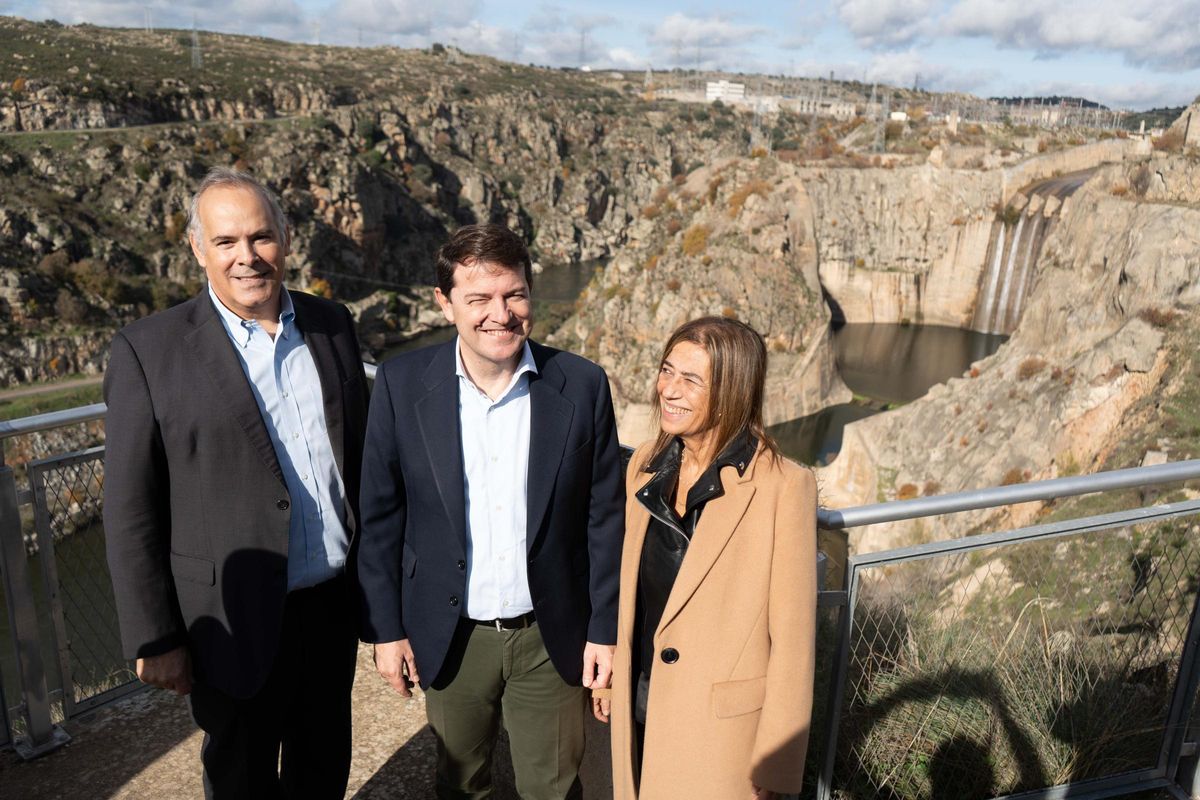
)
(670, 655)
(453, 599)
(462, 564)
(283, 505)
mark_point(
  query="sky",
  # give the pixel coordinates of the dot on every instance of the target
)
(1129, 54)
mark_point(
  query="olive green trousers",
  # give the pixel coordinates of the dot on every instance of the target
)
(491, 675)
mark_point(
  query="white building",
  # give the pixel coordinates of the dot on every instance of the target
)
(725, 91)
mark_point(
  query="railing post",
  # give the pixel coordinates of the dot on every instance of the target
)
(41, 735)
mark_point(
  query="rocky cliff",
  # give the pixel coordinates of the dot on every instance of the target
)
(1109, 323)
(733, 238)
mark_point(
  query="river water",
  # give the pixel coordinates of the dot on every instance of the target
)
(884, 365)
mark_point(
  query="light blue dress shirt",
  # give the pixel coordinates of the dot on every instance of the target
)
(495, 450)
(287, 387)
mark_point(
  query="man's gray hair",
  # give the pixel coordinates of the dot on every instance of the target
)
(227, 176)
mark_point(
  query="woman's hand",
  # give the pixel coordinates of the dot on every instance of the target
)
(758, 793)
(601, 704)
(600, 708)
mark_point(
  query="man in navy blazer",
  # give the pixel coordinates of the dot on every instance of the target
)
(492, 518)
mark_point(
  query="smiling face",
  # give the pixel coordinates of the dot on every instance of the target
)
(489, 305)
(242, 253)
(683, 391)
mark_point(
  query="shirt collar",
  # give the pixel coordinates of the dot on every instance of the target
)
(240, 330)
(737, 454)
(526, 364)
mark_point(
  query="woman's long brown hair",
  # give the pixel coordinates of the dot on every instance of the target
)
(736, 387)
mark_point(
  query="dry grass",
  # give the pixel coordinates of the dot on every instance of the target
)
(1158, 317)
(1030, 367)
(695, 240)
(743, 192)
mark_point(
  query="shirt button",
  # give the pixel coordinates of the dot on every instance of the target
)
(505, 604)
(454, 600)
(499, 508)
(285, 394)
(304, 477)
(295, 436)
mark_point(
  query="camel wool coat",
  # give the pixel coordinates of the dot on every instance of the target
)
(735, 706)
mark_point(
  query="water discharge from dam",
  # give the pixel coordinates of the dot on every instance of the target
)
(1020, 228)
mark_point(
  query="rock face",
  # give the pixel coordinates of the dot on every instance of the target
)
(92, 223)
(905, 244)
(911, 244)
(734, 239)
(1116, 269)
(1186, 129)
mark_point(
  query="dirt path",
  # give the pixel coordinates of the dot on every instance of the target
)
(45, 388)
(146, 747)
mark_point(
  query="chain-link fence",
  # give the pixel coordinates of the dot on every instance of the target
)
(67, 494)
(1013, 662)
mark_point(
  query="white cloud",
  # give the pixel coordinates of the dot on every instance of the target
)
(691, 32)
(254, 17)
(401, 17)
(1154, 33)
(904, 68)
(886, 23)
(705, 42)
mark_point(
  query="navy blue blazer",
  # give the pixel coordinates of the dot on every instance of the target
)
(413, 534)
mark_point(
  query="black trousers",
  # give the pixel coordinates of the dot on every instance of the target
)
(292, 739)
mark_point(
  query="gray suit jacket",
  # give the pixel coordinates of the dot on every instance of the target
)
(196, 511)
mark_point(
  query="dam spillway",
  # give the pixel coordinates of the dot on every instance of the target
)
(1019, 231)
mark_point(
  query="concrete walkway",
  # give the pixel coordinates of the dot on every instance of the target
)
(146, 746)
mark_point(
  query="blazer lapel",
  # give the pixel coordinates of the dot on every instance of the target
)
(441, 432)
(213, 349)
(721, 516)
(550, 417)
(319, 345)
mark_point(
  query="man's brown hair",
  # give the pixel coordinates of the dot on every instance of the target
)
(482, 244)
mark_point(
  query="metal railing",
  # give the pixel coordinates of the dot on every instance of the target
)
(1058, 660)
(984, 656)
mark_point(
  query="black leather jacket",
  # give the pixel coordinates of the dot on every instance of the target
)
(667, 539)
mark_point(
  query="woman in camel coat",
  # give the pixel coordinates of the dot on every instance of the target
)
(712, 679)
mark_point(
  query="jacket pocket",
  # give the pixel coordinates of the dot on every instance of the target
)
(196, 570)
(408, 561)
(734, 698)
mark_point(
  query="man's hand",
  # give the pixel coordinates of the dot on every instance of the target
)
(397, 665)
(171, 670)
(597, 665)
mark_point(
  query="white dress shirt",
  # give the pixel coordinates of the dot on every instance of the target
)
(287, 388)
(495, 450)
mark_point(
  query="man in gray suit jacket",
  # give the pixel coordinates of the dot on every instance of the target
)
(234, 443)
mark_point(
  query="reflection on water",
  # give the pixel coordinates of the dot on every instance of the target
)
(555, 290)
(890, 365)
(899, 363)
(817, 438)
